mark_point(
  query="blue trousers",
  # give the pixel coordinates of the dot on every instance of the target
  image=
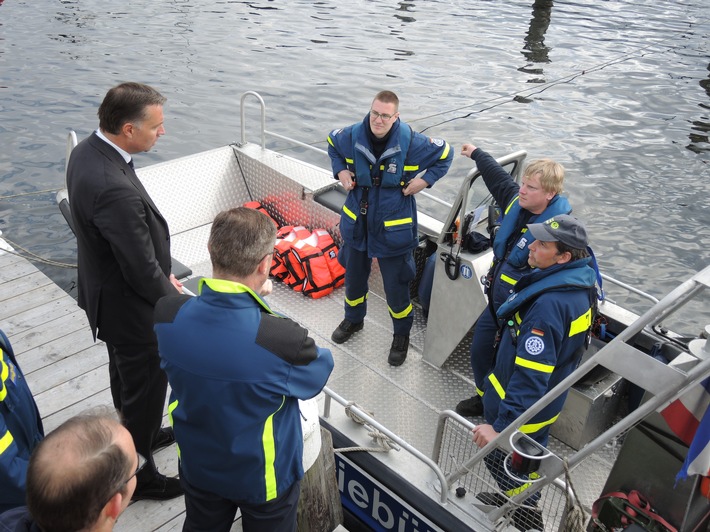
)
(482, 352)
(208, 512)
(397, 273)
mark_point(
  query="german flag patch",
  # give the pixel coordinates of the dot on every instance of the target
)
(538, 332)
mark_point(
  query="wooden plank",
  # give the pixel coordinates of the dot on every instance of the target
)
(32, 298)
(15, 270)
(39, 316)
(24, 284)
(7, 258)
(28, 338)
(52, 420)
(67, 368)
(57, 349)
(73, 391)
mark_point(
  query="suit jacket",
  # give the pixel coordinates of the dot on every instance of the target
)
(123, 244)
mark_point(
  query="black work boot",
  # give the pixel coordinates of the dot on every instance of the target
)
(470, 407)
(398, 351)
(345, 330)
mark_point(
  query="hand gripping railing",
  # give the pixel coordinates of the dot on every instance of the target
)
(664, 382)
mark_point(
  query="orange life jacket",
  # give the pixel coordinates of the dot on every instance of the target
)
(284, 267)
(259, 207)
(324, 242)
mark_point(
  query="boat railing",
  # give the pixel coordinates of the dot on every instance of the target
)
(665, 383)
(330, 396)
(629, 288)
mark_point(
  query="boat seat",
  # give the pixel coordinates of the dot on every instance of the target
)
(178, 268)
(333, 198)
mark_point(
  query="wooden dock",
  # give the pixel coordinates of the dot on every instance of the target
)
(68, 372)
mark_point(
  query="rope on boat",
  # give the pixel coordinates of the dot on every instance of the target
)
(381, 439)
(574, 512)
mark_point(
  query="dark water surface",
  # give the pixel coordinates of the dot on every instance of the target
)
(618, 91)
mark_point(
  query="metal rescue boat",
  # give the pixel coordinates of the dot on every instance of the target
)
(413, 465)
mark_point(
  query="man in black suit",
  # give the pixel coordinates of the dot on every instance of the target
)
(124, 265)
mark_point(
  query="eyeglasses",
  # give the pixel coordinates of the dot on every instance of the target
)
(384, 117)
(141, 464)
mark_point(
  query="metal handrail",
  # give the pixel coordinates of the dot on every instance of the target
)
(629, 288)
(330, 394)
(671, 302)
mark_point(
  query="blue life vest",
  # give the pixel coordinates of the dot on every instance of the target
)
(392, 167)
(518, 256)
(567, 277)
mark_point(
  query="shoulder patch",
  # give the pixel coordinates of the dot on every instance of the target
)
(534, 345)
(167, 307)
(436, 142)
(286, 339)
(335, 132)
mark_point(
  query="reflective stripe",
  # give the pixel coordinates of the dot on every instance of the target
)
(231, 287)
(508, 280)
(350, 161)
(350, 213)
(6, 441)
(581, 324)
(172, 406)
(446, 151)
(267, 441)
(534, 427)
(356, 302)
(520, 489)
(537, 366)
(3, 377)
(511, 204)
(399, 315)
(479, 391)
(499, 389)
(412, 168)
(330, 141)
(401, 221)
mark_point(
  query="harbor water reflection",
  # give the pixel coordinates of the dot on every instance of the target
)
(617, 91)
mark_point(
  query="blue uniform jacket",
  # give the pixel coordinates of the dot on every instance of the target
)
(389, 228)
(509, 267)
(549, 315)
(20, 428)
(236, 371)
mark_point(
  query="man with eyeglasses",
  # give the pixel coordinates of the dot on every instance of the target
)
(80, 477)
(382, 163)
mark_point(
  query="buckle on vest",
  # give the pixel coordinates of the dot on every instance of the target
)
(376, 181)
(363, 207)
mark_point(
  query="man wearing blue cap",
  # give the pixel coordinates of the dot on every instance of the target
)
(545, 325)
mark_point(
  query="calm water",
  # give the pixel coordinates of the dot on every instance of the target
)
(618, 91)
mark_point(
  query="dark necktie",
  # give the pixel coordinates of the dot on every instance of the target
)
(130, 163)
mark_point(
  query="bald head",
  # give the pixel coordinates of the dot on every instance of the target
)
(77, 469)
